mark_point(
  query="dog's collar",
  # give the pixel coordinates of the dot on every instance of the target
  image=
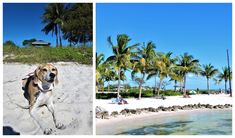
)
(45, 90)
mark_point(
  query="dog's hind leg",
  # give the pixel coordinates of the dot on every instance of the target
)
(51, 108)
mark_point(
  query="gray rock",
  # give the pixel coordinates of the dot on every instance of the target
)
(215, 107)
(132, 111)
(114, 114)
(221, 106)
(138, 111)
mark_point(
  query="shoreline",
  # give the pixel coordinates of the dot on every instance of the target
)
(106, 125)
(169, 101)
(137, 110)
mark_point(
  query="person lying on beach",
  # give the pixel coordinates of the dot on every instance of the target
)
(122, 101)
(161, 97)
(119, 100)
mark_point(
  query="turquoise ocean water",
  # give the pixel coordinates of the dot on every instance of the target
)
(215, 122)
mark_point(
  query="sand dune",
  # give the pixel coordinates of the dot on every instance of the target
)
(72, 98)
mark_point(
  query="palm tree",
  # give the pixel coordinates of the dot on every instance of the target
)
(187, 64)
(99, 69)
(53, 17)
(142, 63)
(109, 74)
(176, 76)
(224, 75)
(208, 71)
(122, 54)
(161, 67)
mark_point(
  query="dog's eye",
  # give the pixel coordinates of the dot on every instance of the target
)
(45, 70)
(53, 69)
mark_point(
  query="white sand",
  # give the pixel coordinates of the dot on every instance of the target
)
(109, 126)
(169, 101)
(72, 98)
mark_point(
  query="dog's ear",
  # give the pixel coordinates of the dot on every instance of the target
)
(36, 75)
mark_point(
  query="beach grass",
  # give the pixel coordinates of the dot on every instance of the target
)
(31, 55)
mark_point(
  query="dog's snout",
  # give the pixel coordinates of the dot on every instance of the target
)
(52, 75)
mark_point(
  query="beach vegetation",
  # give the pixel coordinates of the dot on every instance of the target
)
(161, 67)
(122, 55)
(224, 76)
(187, 64)
(144, 63)
(208, 71)
(32, 55)
(141, 64)
(73, 22)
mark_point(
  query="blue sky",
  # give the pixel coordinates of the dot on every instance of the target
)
(23, 21)
(203, 30)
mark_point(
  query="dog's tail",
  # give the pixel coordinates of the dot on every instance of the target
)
(21, 106)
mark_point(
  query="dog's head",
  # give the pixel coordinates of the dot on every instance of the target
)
(46, 73)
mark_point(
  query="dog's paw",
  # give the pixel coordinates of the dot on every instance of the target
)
(60, 126)
(47, 131)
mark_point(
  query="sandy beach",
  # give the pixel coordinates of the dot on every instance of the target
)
(169, 101)
(72, 99)
(151, 102)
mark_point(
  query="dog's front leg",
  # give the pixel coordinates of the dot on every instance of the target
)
(51, 108)
(34, 113)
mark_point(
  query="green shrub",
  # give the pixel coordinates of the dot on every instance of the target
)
(82, 55)
(134, 93)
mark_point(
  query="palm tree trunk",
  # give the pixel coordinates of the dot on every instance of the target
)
(225, 83)
(180, 86)
(208, 89)
(175, 85)
(159, 86)
(184, 88)
(118, 94)
(60, 38)
(140, 87)
(56, 33)
(155, 86)
(108, 86)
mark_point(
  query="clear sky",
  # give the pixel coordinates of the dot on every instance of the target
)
(203, 30)
(23, 21)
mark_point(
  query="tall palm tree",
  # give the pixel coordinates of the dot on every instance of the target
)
(142, 63)
(122, 54)
(99, 69)
(176, 76)
(187, 64)
(208, 71)
(224, 75)
(161, 67)
(53, 17)
(109, 74)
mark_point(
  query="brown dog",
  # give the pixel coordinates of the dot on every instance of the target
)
(38, 91)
